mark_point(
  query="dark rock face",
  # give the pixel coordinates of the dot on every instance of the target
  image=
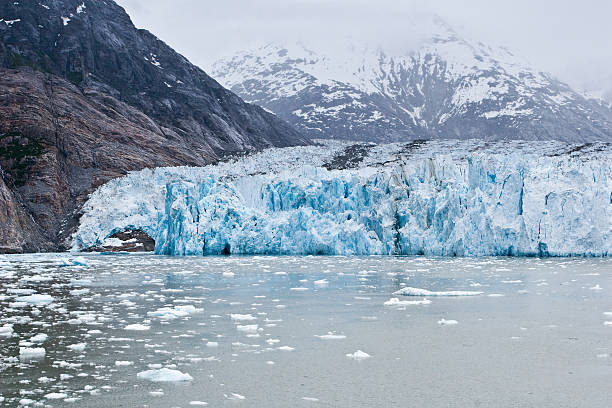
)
(86, 97)
(128, 241)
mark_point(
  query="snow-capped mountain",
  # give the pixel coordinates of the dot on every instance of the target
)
(447, 87)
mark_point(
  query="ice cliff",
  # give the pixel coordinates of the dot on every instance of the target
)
(448, 198)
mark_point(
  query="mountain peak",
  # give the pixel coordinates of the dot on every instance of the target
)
(441, 86)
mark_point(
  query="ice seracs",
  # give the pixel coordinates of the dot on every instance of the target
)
(446, 198)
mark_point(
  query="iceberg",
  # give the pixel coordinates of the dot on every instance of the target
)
(164, 375)
(408, 291)
(438, 198)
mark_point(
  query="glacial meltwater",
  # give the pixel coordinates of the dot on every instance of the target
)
(154, 331)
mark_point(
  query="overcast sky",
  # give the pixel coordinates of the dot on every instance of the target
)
(569, 38)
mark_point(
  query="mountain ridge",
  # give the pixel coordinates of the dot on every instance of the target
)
(447, 87)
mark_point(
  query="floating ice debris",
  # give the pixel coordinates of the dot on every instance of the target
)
(228, 274)
(164, 375)
(198, 403)
(79, 292)
(603, 355)
(6, 330)
(408, 291)
(234, 397)
(79, 347)
(358, 355)
(496, 295)
(137, 327)
(123, 363)
(286, 348)
(56, 395)
(249, 328)
(321, 283)
(608, 323)
(27, 352)
(212, 344)
(311, 399)
(444, 322)
(300, 289)
(36, 299)
(596, 287)
(73, 262)
(331, 336)
(395, 302)
(242, 317)
(270, 362)
(80, 282)
(512, 281)
(169, 313)
(39, 338)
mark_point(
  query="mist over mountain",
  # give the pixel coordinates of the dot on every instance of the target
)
(438, 85)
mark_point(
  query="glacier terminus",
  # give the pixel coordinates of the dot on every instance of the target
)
(437, 198)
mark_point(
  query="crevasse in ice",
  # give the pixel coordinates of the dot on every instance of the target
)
(444, 198)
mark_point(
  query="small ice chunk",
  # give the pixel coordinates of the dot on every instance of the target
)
(35, 299)
(79, 347)
(444, 322)
(395, 302)
(212, 344)
(6, 330)
(198, 403)
(234, 397)
(123, 363)
(242, 317)
(358, 355)
(331, 336)
(311, 399)
(286, 348)
(321, 283)
(27, 352)
(137, 327)
(249, 328)
(408, 291)
(56, 395)
(39, 338)
(164, 375)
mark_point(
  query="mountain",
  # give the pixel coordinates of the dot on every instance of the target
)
(446, 87)
(86, 97)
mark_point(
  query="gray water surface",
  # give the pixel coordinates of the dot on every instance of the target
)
(540, 334)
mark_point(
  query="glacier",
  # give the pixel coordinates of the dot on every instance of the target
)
(436, 198)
